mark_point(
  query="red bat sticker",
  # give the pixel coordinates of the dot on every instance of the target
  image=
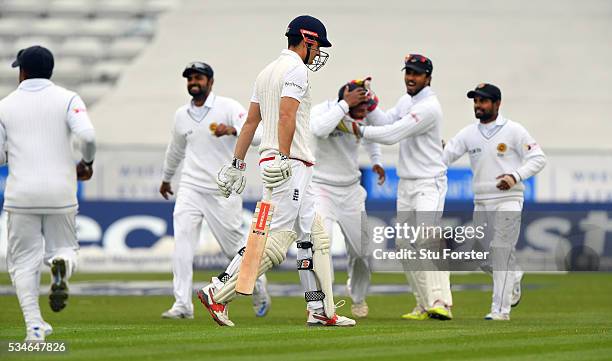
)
(264, 208)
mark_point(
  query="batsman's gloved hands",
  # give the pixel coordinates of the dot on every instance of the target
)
(231, 178)
(276, 173)
(506, 181)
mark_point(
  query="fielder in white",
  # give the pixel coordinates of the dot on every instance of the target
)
(37, 122)
(339, 198)
(204, 136)
(416, 123)
(281, 102)
(502, 155)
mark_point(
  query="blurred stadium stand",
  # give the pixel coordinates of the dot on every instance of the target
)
(93, 40)
(550, 58)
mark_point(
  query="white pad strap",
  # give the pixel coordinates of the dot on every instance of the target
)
(322, 267)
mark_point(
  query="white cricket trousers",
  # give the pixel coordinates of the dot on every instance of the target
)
(345, 205)
(503, 220)
(224, 218)
(32, 239)
(424, 200)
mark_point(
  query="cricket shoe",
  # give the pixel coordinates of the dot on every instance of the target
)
(495, 316)
(417, 314)
(440, 311)
(319, 319)
(175, 313)
(261, 299)
(360, 310)
(218, 311)
(516, 289)
(58, 295)
(38, 333)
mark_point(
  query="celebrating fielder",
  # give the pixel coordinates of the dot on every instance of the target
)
(498, 146)
(339, 196)
(36, 124)
(204, 136)
(416, 123)
(281, 101)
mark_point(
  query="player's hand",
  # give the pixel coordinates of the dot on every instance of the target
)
(223, 129)
(355, 96)
(378, 169)
(506, 181)
(277, 173)
(84, 170)
(231, 178)
(165, 189)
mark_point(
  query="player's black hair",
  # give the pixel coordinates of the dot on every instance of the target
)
(294, 40)
(38, 73)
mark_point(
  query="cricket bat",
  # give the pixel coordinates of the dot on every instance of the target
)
(255, 245)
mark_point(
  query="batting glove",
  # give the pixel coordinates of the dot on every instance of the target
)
(278, 173)
(231, 178)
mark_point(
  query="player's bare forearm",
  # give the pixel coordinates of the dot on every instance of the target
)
(248, 131)
(286, 123)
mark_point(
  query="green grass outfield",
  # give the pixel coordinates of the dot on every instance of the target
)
(561, 317)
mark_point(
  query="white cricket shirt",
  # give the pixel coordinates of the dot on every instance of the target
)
(500, 147)
(416, 124)
(193, 141)
(37, 121)
(336, 151)
(286, 76)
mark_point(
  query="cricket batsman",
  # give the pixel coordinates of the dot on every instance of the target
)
(415, 122)
(502, 155)
(339, 196)
(281, 101)
(203, 137)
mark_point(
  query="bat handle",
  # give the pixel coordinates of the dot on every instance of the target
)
(268, 195)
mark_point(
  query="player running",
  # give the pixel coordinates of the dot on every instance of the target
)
(281, 101)
(36, 124)
(498, 146)
(339, 196)
(415, 122)
(204, 136)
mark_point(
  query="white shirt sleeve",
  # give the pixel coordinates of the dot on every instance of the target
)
(379, 117)
(418, 121)
(296, 83)
(454, 149)
(254, 97)
(533, 157)
(324, 117)
(174, 153)
(2, 144)
(374, 152)
(80, 125)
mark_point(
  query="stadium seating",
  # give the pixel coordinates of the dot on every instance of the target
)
(92, 40)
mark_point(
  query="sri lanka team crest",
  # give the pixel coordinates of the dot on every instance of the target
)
(501, 147)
